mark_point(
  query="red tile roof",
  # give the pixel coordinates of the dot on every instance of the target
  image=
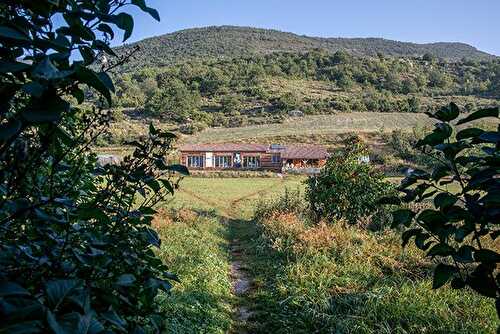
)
(304, 152)
(288, 151)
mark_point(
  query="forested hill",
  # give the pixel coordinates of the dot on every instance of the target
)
(230, 41)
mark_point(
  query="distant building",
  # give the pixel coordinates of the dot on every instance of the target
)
(364, 159)
(296, 113)
(108, 159)
(252, 156)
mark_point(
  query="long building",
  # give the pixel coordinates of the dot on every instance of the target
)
(252, 156)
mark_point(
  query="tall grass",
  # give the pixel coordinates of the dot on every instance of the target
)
(334, 278)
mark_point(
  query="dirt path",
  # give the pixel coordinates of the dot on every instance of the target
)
(242, 286)
(242, 282)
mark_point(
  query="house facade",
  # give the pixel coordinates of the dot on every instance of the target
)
(252, 156)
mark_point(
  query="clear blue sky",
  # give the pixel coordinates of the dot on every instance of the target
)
(476, 22)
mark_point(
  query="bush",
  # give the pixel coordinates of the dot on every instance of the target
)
(462, 228)
(403, 143)
(192, 128)
(75, 239)
(346, 188)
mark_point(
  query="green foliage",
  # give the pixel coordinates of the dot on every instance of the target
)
(403, 144)
(230, 104)
(288, 102)
(346, 188)
(461, 230)
(291, 201)
(174, 102)
(266, 85)
(230, 42)
(75, 239)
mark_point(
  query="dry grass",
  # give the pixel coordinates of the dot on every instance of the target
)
(333, 277)
(365, 122)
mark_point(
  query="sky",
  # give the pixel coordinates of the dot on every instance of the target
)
(475, 22)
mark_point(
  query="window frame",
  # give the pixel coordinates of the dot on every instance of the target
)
(200, 161)
(227, 161)
(255, 159)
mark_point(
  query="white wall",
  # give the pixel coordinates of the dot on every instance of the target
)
(209, 159)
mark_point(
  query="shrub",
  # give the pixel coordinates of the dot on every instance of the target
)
(75, 238)
(403, 143)
(462, 228)
(192, 128)
(346, 188)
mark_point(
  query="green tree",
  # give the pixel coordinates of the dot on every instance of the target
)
(174, 102)
(429, 57)
(230, 103)
(345, 81)
(409, 86)
(414, 104)
(288, 101)
(439, 79)
(346, 188)
(75, 237)
(341, 57)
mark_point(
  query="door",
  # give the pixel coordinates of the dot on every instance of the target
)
(209, 160)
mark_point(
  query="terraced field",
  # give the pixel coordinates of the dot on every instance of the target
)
(316, 125)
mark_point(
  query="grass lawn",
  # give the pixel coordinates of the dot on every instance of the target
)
(232, 197)
(196, 250)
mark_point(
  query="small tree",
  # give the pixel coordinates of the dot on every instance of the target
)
(230, 103)
(346, 188)
(174, 101)
(462, 228)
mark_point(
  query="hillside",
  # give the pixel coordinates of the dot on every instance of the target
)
(230, 41)
(268, 88)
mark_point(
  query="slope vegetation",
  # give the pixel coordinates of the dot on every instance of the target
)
(230, 41)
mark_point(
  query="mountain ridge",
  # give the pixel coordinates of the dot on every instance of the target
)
(236, 41)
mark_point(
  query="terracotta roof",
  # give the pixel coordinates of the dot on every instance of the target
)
(224, 147)
(305, 152)
(287, 151)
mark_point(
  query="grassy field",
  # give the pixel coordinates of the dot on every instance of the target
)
(195, 245)
(231, 197)
(326, 279)
(316, 125)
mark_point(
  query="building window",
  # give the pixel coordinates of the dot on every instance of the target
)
(276, 158)
(224, 161)
(251, 162)
(195, 161)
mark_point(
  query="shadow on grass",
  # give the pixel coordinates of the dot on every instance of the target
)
(198, 253)
(196, 311)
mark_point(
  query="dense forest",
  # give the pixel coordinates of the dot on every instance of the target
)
(267, 88)
(230, 42)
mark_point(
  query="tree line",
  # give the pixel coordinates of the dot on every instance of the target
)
(212, 91)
